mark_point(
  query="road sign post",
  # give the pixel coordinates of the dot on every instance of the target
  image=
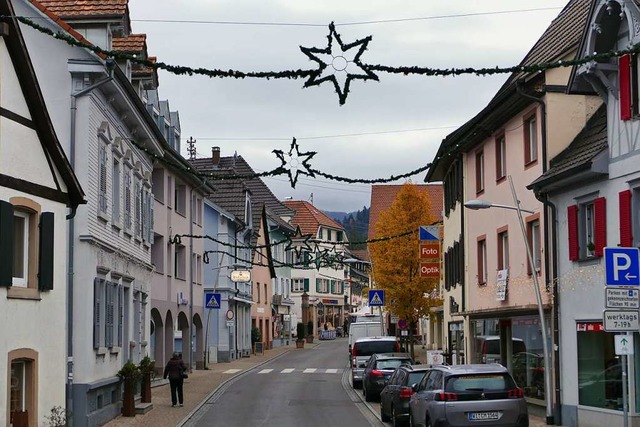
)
(624, 347)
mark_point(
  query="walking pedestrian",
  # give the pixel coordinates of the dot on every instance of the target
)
(176, 371)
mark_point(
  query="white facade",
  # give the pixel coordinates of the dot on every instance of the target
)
(36, 185)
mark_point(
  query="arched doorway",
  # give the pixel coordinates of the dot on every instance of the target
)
(183, 338)
(157, 339)
(168, 337)
(198, 343)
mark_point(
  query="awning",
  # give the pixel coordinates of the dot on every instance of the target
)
(242, 300)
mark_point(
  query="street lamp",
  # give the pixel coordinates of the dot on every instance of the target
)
(479, 204)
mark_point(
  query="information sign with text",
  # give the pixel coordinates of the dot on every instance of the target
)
(621, 320)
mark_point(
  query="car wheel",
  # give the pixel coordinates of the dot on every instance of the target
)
(411, 420)
(383, 415)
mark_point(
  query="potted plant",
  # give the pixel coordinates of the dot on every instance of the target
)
(147, 372)
(129, 374)
(591, 247)
(300, 335)
(310, 331)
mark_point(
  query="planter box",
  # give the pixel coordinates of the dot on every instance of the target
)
(299, 343)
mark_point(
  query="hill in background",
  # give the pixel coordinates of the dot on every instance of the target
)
(356, 225)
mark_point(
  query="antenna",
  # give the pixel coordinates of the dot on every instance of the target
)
(191, 148)
(311, 198)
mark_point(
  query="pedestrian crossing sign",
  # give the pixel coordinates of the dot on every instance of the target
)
(376, 298)
(212, 300)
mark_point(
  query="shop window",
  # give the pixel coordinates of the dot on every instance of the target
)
(22, 387)
(599, 369)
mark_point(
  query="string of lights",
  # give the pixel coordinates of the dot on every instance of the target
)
(320, 75)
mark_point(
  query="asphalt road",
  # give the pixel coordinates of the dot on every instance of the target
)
(310, 387)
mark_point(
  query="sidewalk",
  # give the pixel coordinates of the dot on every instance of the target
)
(197, 388)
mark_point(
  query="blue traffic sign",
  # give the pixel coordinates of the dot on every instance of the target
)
(622, 266)
(376, 298)
(212, 300)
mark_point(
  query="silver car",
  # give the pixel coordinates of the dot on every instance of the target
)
(468, 395)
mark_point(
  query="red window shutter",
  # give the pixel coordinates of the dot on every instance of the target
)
(626, 230)
(572, 222)
(624, 83)
(600, 225)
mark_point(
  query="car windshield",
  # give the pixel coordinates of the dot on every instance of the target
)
(480, 382)
(392, 363)
(368, 348)
(415, 378)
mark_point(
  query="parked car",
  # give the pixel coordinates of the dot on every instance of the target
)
(363, 349)
(363, 330)
(394, 398)
(465, 395)
(378, 371)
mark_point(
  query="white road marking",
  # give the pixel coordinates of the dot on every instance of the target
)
(309, 370)
(265, 371)
(232, 371)
(287, 371)
(332, 371)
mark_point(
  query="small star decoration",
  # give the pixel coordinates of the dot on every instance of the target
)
(291, 162)
(333, 63)
(299, 243)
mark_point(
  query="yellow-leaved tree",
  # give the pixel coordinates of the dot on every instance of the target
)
(396, 262)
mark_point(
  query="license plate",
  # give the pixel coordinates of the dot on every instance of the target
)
(481, 416)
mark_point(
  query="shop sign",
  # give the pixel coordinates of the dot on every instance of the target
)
(329, 301)
(501, 285)
(589, 327)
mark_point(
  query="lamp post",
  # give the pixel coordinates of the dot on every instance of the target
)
(480, 204)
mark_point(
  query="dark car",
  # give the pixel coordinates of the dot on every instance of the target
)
(363, 349)
(468, 395)
(378, 371)
(394, 398)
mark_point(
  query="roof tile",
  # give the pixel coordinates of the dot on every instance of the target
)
(75, 8)
(309, 218)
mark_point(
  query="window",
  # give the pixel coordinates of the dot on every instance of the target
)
(108, 313)
(23, 385)
(297, 285)
(329, 235)
(157, 253)
(503, 249)
(128, 202)
(258, 293)
(501, 157)
(482, 260)
(530, 129)
(115, 193)
(533, 238)
(138, 210)
(599, 369)
(339, 236)
(587, 228)
(169, 191)
(198, 211)
(180, 262)
(102, 180)
(479, 172)
(181, 199)
(157, 179)
(322, 285)
(21, 245)
(266, 295)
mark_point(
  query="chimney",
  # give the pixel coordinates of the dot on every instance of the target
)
(215, 155)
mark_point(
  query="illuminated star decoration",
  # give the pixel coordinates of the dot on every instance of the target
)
(333, 63)
(291, 162)
(297, 245)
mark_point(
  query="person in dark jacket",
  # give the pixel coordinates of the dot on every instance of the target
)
(174, 370)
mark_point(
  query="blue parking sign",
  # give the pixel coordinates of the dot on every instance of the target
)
(622, 266)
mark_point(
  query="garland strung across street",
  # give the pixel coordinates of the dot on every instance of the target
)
(330, 59)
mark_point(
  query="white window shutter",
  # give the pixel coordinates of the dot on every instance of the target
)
(102, 191)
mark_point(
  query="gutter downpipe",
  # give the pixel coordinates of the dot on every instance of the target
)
(110, 64)
(554, 306)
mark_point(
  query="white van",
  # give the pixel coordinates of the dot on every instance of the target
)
(359, 330)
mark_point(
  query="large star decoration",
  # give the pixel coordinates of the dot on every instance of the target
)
(292, 164)
(299, 242)
(333, 63)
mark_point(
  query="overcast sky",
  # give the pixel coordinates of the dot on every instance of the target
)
(399, 120)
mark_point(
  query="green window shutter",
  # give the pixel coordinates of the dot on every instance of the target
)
(333, 286)
(339, 236)
(317, 285)
(306, 285)
(45, 263)
(6, 243)
(305, 257)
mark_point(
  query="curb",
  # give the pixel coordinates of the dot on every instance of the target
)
(195, 410)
